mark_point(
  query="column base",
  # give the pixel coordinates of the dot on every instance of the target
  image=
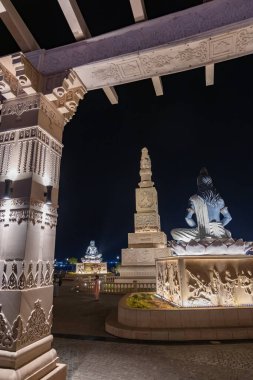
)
(34, 362)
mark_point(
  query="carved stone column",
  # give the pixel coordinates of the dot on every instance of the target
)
(30, 154)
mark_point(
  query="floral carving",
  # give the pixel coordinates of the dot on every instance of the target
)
(200, 52)
(109, 72)
(244, 37)
(150, 64)
(19, 215)
(147, 222)
(19, 275)
(18, 108)
(35, 216)
(19, 334)
(51, 220)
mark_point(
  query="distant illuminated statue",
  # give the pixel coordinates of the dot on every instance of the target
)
(207, 205)
(92, 254)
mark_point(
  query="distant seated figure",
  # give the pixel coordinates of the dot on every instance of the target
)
(207, 205)
(92, 254)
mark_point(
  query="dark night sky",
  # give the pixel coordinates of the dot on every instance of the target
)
(189, 127)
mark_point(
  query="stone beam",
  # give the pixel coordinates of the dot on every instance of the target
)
(185, 55)
(138, 9)
(111, 94)
(80, 31)
(139, 13)
(17, 27)
(209, 73)
(75, 19)
(209, 33)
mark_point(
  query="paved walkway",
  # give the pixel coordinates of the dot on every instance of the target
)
(79, 314)
(95, 355)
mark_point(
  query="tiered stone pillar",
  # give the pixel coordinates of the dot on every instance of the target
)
(148, 242)
(30, 154)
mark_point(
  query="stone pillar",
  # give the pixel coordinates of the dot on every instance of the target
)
(30, 154)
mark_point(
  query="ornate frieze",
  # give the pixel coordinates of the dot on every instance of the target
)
(177, 56)
(147, 222)
(51, 220)
(244, 39)
(20, 275)
(7, 136)
(33, 211)
(152, 62)
(19, 334)
(20, 105)
(19, 215)
(200, 282)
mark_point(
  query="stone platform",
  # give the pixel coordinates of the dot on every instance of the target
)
(181, 324)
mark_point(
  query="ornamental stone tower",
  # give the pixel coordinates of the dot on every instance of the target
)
(32, 122)
(148, 242)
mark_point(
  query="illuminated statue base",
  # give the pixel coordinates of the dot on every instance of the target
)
(211, 246)
(204, 281)
(91, 268)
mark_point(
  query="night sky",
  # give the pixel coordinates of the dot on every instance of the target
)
(189, 127)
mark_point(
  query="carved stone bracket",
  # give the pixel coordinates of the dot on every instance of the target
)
(20, 334)
(67, 97)
(13, 81)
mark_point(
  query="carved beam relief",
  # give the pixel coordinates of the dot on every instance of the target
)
(216, 46)
(201, 282)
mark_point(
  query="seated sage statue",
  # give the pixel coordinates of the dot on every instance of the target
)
(208, 206)
(92, 254)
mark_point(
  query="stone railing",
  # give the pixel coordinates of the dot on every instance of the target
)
(114, 287)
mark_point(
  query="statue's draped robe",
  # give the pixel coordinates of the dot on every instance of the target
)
(204, 228)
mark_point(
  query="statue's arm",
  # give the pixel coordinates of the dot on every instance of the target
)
(226, 216)
(189, 217)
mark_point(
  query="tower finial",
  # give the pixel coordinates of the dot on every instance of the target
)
(145, 169)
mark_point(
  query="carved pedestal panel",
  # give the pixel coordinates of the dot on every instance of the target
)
(206, 281)
(148, 239)
(91, 268)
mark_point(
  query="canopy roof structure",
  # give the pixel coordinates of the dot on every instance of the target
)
(192, 34)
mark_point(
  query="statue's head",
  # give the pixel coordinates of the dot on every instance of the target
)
(92, 243)
(204, 181)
